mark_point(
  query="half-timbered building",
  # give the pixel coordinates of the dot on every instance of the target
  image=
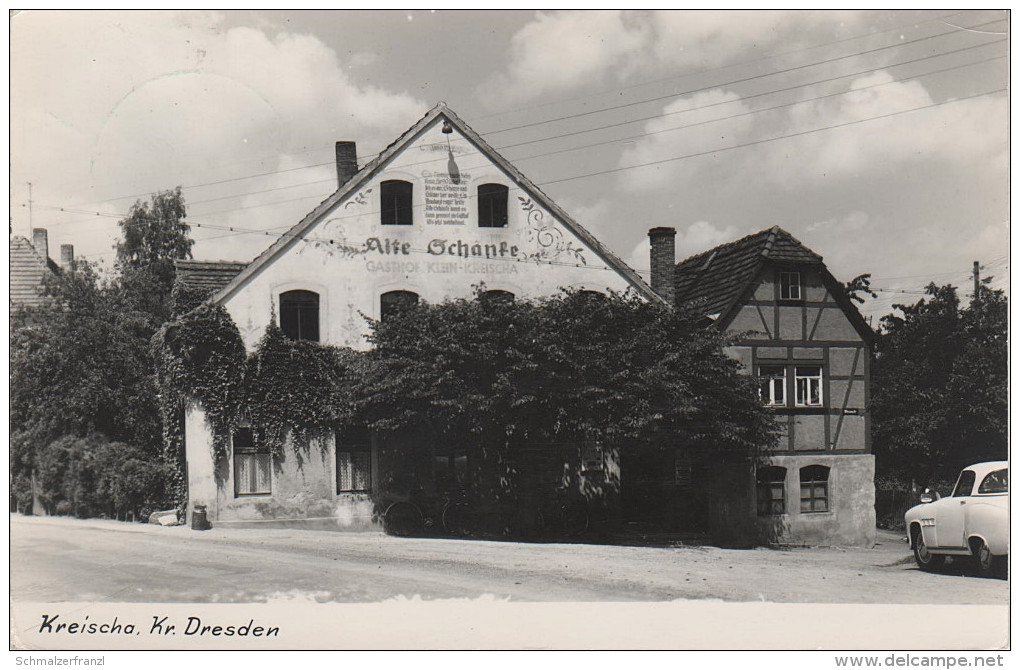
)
(799, 333)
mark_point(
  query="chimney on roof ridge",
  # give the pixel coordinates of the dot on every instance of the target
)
(663, 257)
(40, 241)
(346, 162)
(67, 256)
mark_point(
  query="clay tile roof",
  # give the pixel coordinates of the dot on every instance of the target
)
(207, 275)
(717, 277)
(28, 269)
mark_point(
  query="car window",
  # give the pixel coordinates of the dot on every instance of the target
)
(995, 482)
(965, 484)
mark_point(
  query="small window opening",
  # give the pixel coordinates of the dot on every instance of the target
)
(299, 315)
(397, 209)
(492, 205)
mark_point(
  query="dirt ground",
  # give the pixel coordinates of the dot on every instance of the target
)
(57, 559)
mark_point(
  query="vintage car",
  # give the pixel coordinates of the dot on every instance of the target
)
(973, 521)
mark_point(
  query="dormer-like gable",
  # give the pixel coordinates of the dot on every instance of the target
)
(769, 270)
(435, 214)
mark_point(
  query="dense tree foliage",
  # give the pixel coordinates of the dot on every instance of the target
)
(82, 377)
(940, 386)
(153, 235)
(575, 367)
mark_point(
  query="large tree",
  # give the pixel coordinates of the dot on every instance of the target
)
(940, 385)
(153, 235)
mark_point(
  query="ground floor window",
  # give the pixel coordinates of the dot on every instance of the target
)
(814, 489)
(353, 461)
(451, 471)
(771, 491)
(252, 465)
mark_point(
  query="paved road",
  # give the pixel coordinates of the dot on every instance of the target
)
(69, 560)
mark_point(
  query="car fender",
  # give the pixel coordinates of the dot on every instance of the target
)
(988, 521)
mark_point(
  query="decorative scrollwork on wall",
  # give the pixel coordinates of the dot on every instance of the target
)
(549, 238)
(336, 246)
(360, 199)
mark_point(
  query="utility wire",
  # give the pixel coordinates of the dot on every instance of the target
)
(729, 83)
(642, 135)
(651, 163)
(654, 99)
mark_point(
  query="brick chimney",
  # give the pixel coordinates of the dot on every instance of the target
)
(346, 162)
(67, 256)
(663, 257)
(40, 240)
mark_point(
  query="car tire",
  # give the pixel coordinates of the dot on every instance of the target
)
(986, 564)
(926, 560)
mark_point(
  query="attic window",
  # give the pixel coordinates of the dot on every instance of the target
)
(789, 286)
(396, 202)
(492, 208)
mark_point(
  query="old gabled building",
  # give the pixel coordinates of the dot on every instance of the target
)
(436, 214)
(801, 335)
(31, 264)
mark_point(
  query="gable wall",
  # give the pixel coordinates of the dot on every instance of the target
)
(815, 331)
(350, 259)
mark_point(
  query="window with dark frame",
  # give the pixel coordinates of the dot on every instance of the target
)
(771, 490)
(592, 458)
(451, 471)
(397, 202)
(772, 384)
(496, 296)
(814, 489)
(492, 205)
(252, 464)
(299, 315)
(392, 302)
(789, 286)
(354, 461)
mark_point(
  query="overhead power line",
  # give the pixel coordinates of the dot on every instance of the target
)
(654, 99)
(641, 135)
(650, 163)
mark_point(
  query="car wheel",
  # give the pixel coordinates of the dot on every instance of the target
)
(987, 565)
(925, 560)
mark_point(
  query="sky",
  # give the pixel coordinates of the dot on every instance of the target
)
(878, 138)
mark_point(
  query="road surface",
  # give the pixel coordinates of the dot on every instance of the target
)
(58, 559)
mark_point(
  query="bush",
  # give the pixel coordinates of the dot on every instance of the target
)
(90, 477)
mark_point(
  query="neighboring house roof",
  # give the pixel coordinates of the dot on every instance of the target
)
(290, 238)
(28, 269)
(208, 275)
(719, 280)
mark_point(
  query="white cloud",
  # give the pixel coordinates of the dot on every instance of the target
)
(113, 103)
(712, 38)
(565, 50)
(571, 49)
(695, 238)
(662, 143)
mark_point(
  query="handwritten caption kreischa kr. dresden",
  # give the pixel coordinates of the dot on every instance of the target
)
(192, 626)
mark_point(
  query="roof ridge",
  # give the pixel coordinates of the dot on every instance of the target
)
(719, 248)
(770, 240)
